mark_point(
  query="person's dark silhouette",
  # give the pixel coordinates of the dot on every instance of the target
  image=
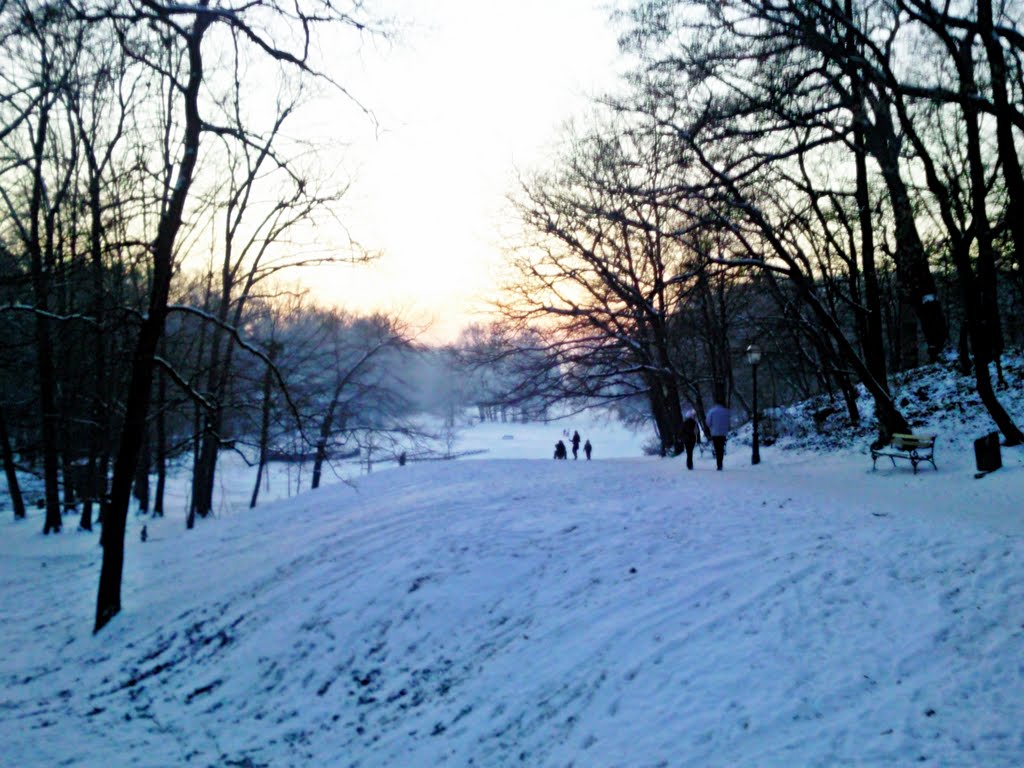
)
(587, 448)
(691, 436)
(560, 452)
(575, 445)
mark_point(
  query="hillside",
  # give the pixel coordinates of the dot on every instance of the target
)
(514, 611)
(933, 398)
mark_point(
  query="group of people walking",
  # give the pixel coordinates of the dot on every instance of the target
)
(562, 453)
(718, 421)
(718, 428)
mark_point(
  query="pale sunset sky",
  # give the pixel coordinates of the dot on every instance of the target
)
(470, 92)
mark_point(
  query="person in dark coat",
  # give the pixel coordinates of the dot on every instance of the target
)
(560, 452)
(691, 436)
(587, 448)
(575, 445)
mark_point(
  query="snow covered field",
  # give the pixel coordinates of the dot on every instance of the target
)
(513, 610)
(235, 477)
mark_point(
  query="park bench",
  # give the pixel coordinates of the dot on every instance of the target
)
(913, 448)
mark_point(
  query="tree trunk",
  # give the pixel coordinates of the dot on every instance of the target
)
(199, 413)
(916, 284)
(325, 435)
(979, 345)
(85, 519)
(41, 286)
(205, 470)
(206, 464)
(204, 473)
(161, 444)
(656, 398)
(849, 397)
(108, 597)
(140, 488)
(99, 441)
(264, 423)
(1008, 157)
(964, 350)
(67, 469)
(908, 351)
(983, 308)
(987, 280)
(13, 488)
(873, 341)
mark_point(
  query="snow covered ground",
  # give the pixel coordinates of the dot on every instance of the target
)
(514, 610)
(470, 440)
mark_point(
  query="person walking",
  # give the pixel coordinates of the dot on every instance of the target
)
(718, 427)
(691, 436)
(587, 448)
(575, 445)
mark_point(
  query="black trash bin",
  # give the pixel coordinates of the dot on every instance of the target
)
(986, 453)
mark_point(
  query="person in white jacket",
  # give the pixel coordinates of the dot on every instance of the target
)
(718, 427)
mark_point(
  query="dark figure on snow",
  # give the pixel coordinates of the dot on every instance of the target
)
(691, 436)
(718, 427)
(575, 445)
(560, 452)
(587, 448)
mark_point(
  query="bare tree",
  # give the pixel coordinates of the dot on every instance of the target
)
(257, 245)
(37, 184)
(978, 280)
(505, 373)
(359, 377)
(595, 278)
(100, 109)
(186, 28)
(754, 89)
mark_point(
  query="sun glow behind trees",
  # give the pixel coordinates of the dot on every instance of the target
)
(469, 93)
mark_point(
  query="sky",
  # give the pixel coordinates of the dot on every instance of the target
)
(468, 93)
(514, 610)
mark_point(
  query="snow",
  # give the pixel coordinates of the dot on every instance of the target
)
(514, 610)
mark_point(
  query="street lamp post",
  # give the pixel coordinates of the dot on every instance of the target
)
(754, 357)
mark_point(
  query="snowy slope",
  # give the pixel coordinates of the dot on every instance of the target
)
(513, 611)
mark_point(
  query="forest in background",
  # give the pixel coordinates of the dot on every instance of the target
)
(781, 175)
(836, 182)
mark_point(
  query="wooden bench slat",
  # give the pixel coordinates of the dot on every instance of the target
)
(913, 441)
